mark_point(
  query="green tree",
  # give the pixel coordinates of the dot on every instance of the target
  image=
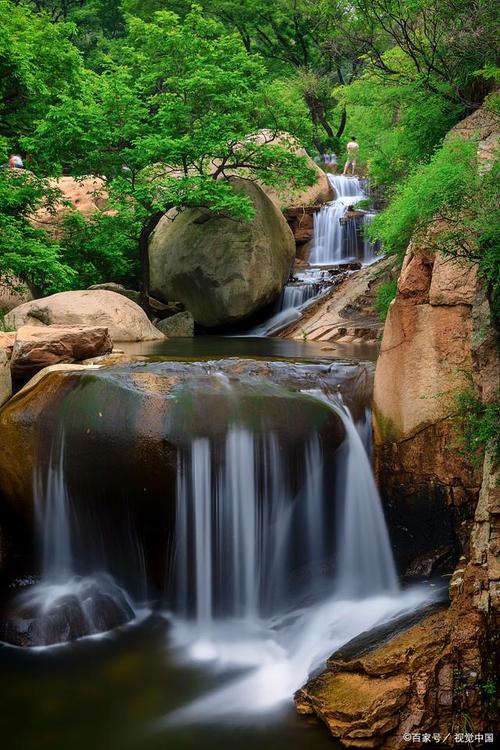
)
(38, 64)
(27, 252)
(174, 115)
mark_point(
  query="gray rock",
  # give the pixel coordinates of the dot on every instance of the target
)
(110, 286)
(222, 270)
(177, 326)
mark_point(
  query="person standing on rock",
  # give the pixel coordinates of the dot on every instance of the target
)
(15, 162)
(352, 151)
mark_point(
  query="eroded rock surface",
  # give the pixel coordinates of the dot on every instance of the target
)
(37, 347)
(124, 320)
(346, 314)
(222, 270)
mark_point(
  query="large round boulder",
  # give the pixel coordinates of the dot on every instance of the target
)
(124, 320)
(222, 270)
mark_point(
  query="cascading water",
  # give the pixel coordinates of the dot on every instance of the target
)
(243, 527)
(64, 605)
(297, 295)
(249, 481)
(336, 242)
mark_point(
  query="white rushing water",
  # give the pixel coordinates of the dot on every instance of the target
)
(66, 605)
(245, 530)
(297, 295)
(336, 242)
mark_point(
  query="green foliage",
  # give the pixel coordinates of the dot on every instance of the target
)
(101, 247)
(38, 63)
(398, 124)
(479, 424)
(185, 97)
(385, 294)
(437, 189)
(27, 252)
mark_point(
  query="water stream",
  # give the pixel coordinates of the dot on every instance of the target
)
(212, 523)
(335, 242)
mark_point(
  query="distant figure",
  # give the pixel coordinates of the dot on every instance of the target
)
(15, 162)
(330, 162)
(352, 150)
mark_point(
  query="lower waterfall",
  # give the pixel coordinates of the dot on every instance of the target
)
(262, 523)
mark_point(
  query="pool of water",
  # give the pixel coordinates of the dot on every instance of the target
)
(114, 692)
(218, 347)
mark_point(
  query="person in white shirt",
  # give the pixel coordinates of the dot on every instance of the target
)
(352, 150)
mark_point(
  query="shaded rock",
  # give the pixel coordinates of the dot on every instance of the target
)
(57, 613)
(37, 347)
(124, 320)
(5, 376)
(415, 278)
(222, 270)
(13, 292)
(427, 564)
(180, 325)
(110, 286)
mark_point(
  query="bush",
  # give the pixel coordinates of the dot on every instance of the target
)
(439, 188)
(101, 248)
(479, 425)
(385, 294)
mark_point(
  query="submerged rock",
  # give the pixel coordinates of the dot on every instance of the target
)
(47, 614)
(125, 320)
(222, 270)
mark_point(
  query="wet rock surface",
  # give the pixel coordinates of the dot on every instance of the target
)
(44, 615)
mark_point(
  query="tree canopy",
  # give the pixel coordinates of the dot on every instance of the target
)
(164, 100)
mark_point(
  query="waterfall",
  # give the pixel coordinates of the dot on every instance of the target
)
(52, 508)
(64, 605)
(296, 294)
(237, 515)
(243, 525)
(254, 536)
(336, 242)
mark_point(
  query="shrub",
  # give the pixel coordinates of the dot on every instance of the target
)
(385, 294)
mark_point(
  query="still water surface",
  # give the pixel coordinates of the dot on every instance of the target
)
(112, 693)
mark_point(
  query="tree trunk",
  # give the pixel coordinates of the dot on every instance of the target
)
(342, 123)
(146, 232)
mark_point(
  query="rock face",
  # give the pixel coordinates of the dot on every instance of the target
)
(13, 294)
(180, 325)
(124, 320)
(222, 270)
(430, 352)
(405, 687)
(5, 376)
(85, 194)
(37, 347)
(346, 315)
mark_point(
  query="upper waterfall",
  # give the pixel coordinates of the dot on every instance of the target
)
(336, 242)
